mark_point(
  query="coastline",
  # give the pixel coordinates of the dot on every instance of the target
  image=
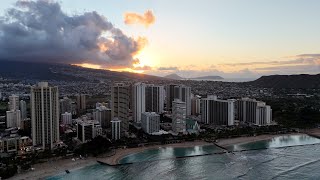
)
(121, 153)
(47, 169)
(249, 139)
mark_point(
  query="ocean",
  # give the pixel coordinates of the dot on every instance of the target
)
(284, 157)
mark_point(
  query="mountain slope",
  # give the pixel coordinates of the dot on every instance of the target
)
(303, 81)
(173, 76)
(62, 72)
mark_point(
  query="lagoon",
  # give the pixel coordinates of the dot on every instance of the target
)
(282, 160)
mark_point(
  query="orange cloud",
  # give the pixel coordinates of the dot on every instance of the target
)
(146, 19)
(141, 43)
(88, 65)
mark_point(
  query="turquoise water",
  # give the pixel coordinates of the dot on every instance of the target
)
(294, 162)
(169, 152)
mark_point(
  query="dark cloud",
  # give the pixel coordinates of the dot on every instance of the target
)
(168, 68)
(41, 31)
(309, 55)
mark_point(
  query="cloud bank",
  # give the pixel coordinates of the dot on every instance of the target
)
(146, 19)
(300, 64)
(41, 31)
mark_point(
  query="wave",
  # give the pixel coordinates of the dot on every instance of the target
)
(295, 168)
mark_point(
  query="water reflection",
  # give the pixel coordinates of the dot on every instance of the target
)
(281, 141)
(169, 152)
(298, 162)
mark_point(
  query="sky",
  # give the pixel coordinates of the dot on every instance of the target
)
(230, 38)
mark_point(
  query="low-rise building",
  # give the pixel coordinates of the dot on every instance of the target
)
(66, 118)
(116, 128)
(192, 126)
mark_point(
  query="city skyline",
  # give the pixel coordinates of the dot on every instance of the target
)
(228, 38)
(159, 89)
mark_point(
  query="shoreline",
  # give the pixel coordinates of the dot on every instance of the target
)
(121, 153)
(52, 168)
(55, 167)
(250, 139)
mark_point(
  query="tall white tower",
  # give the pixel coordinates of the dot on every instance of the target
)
(45, 115)
(139, 100)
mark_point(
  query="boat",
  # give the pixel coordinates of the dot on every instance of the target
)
(67, 171)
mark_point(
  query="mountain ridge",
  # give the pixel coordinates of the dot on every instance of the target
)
(303, 81)
(177, 77)
(21, 70)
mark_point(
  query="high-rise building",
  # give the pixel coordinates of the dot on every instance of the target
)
(120, 96)
(169, 96)
(13, 103)
(13, 118)
(253, 112)
(23, 109)
(65, 105)
(264, 115)
(195, 105)
(81, 103)
(154, 98)
(246, 110)
(45, 115)
(66, 118)
(217, 112)
(116, 128)
(103, 115)
(14, 114)
(147, 98)
(150, 122)
(139, 98)
(184, 94)
(179, 112)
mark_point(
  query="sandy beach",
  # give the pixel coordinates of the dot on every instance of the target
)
(43, 170)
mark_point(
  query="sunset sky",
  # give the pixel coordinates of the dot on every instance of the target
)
(231, 38)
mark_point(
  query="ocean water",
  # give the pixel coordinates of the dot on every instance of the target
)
(169, 152)
(277, 142)
(283, 160)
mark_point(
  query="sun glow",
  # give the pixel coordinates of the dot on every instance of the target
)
(95, 66)
(142, 64)
(146, 58)
(88, 65)
(128, 70)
